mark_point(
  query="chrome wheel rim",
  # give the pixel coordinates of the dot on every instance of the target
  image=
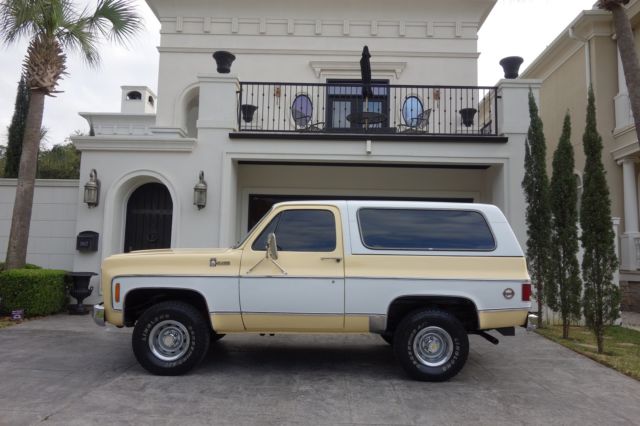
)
(169, 340)
(433, 346)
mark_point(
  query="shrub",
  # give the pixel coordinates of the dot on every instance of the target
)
(37, 291)
(26, 266)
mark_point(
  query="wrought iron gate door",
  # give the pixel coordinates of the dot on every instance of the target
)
(149, 215)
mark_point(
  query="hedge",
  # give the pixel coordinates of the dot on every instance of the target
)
(26, 266)
(37, 291)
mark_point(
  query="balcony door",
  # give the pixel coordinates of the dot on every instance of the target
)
(344, 98)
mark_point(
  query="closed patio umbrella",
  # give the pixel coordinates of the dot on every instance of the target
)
(365, 70)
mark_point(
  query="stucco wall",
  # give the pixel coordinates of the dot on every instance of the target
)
(565, 89)
(53, 222)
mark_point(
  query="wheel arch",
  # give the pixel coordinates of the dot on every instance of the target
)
(138, 300)
(463, 308)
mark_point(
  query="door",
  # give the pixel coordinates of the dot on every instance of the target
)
(344, 99)
(303, 289)
(149, 216)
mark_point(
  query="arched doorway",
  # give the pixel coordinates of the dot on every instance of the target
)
(149, 216)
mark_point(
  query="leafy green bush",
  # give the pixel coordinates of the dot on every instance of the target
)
(37, 291)
(27, 266)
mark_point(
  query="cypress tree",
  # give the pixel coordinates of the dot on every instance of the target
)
(564, 287)
(16, 130)
(538, 215)
(601, 299)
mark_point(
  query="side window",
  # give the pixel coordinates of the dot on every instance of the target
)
(301, 230)
(405, 229)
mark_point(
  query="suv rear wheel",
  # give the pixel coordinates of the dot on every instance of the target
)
(431, 345)
(170, 338)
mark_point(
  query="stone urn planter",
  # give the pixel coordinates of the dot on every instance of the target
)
(511, 66)
(80, 290)
(247, 111)
(224, 60)
(468, 115)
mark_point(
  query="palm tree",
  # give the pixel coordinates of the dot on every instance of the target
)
(53, 28)
(628, 54)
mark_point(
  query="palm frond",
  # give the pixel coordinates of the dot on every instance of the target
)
(19, 18)
(77, 36)
(117, 20)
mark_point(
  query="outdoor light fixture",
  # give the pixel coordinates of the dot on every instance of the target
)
(92, 189)
(200, 192)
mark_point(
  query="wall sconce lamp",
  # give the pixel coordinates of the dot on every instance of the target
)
(200, 192)
(92, 189)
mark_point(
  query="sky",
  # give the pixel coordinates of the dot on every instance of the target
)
(514, 27)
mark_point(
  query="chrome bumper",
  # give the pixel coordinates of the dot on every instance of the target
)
(98, 314)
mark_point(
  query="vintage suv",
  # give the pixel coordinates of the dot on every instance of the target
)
(423, 275)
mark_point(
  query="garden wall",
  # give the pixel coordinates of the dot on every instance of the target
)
(53, 222)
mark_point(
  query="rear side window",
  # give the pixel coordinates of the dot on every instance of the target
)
(301, 230)
(418, 229)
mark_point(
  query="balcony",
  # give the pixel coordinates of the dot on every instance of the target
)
(338, 110)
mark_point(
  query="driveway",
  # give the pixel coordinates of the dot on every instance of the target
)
(63, 370)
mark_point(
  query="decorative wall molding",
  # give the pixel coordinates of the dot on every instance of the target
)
(323, 68)
(103, 143)
(349, 53)
(317, 27)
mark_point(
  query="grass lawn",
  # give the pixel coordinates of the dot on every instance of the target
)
(621, 346)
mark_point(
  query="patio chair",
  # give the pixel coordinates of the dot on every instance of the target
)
(303, 122)
(418, 125)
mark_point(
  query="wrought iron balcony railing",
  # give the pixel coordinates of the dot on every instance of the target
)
(340, 107)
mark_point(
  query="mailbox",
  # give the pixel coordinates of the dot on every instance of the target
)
(87, 241)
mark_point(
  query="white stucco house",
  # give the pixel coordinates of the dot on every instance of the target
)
(425, 132)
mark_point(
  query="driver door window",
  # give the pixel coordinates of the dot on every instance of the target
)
(301, 231)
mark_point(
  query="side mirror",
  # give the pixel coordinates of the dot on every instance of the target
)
(272, 247)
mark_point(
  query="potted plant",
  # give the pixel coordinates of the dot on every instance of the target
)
(80, 290)
(511, 66)
(224, 60)
(247, 112)
(467, 115)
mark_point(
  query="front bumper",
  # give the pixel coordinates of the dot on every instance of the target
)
(98, 314)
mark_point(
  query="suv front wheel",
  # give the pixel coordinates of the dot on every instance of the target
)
(431, 345)
(170, 338)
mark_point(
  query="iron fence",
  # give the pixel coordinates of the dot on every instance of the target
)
(341, 107)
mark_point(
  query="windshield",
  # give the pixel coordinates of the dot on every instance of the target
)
(244, 238)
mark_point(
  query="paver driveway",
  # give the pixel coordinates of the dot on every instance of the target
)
(66, 371)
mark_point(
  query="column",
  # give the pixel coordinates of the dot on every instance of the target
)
(629, 255)
(630, 196)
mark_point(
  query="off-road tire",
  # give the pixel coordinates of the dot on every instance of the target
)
(176, 319)
(449, 347)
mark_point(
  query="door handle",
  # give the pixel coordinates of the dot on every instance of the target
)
(337, 259)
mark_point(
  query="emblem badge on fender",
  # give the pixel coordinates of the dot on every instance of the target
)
(508, 293)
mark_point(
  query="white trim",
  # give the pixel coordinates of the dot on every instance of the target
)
(325, 69)
(348, 53)
(629, 149)
(115, 143)
(271, 26)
